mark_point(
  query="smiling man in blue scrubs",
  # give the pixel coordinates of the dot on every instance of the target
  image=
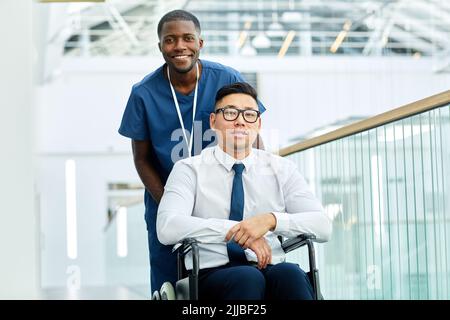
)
(159, 118)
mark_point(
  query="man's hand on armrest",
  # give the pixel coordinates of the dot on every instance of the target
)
(251, 229)
(263, 252)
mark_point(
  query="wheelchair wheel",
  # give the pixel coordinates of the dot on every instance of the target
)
(156, 296)
(167, 291)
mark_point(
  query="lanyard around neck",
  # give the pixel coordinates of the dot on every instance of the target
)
(177, 106)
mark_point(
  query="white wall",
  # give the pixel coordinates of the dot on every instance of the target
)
(19, 266)
(301, 94)
(78, 116)
(304, 94)
(93, 173)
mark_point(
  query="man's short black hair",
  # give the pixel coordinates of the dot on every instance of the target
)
(237, 87)
(178, 15)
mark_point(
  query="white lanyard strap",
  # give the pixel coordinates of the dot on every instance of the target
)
(177, 106)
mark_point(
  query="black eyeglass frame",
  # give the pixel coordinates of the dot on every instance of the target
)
(239, 111)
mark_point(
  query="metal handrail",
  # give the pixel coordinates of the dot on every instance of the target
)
(405, 111)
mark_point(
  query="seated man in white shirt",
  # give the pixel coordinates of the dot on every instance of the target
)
(235, 201)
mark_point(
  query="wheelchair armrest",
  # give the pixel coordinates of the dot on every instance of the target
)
(297, 242)
(186, 245)
(300, 241)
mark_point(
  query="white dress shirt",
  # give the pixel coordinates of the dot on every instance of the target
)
(197, 198)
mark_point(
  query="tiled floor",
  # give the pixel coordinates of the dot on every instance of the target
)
(98, 293)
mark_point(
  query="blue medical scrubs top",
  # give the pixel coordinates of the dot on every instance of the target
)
(151, 115)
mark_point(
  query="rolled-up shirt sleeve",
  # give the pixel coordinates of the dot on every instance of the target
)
(175, 221)
(304, 212)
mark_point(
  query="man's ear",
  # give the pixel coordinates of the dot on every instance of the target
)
(201, 43)
(212, 120)
(159, 46)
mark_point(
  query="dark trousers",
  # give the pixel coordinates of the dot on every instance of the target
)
(163, 263)
(283, 281)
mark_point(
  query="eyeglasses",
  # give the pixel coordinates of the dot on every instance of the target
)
(231, 113)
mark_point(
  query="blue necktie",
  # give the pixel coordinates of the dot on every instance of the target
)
(236, 253)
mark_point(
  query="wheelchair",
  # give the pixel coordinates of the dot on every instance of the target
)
(186, 287)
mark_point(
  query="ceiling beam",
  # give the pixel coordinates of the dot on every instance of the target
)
(410, 40)
(422, 29)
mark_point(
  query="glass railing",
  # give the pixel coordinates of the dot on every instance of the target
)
(385, 183)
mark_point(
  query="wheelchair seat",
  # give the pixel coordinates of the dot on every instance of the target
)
(186, 287)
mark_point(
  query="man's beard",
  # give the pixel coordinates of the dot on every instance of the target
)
(185, 70)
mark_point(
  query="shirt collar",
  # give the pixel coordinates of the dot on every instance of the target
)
(228, 161)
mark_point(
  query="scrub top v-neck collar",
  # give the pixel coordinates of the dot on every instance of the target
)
(175, 97)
